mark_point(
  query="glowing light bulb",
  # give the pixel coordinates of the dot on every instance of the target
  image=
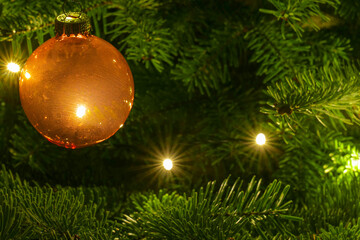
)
(354, 165)
(168, 164)
(80, 112)
(13, 67)
(260, 139)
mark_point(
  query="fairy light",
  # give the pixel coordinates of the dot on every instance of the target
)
(260, 139)
(167, 163)
(354, 165)
(13, 67)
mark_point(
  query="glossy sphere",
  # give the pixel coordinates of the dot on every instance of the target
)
(76, 91)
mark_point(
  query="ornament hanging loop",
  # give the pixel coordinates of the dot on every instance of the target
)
(69, 12)
(72, 22)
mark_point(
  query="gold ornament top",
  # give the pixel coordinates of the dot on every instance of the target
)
(72, 23)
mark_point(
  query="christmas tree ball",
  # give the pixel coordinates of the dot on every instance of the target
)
(76, 89)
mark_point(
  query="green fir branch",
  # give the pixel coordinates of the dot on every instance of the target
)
(36, 212)
(330, 207)
(205, 66)
(12, 219)
(296, 13)
(342, 232)
(141, 32)
(349, 10)
(26, 26)
(330, 92)
(209, 214)
(277, 58)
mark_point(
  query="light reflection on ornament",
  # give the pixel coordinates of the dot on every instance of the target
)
(27, 75)
(80, 112)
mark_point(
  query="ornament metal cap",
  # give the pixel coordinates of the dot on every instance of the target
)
(72, 23)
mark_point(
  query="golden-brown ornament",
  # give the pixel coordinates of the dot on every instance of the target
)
(76, 89)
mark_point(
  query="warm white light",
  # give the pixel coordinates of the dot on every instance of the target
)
(167, 164)
(27, 75)
(260, 139)
(80, 112)
(354, 165)
(13, 67)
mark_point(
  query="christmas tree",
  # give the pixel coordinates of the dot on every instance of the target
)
(245, 124)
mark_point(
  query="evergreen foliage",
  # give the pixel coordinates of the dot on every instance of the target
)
(228, 213)
(209, 76)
